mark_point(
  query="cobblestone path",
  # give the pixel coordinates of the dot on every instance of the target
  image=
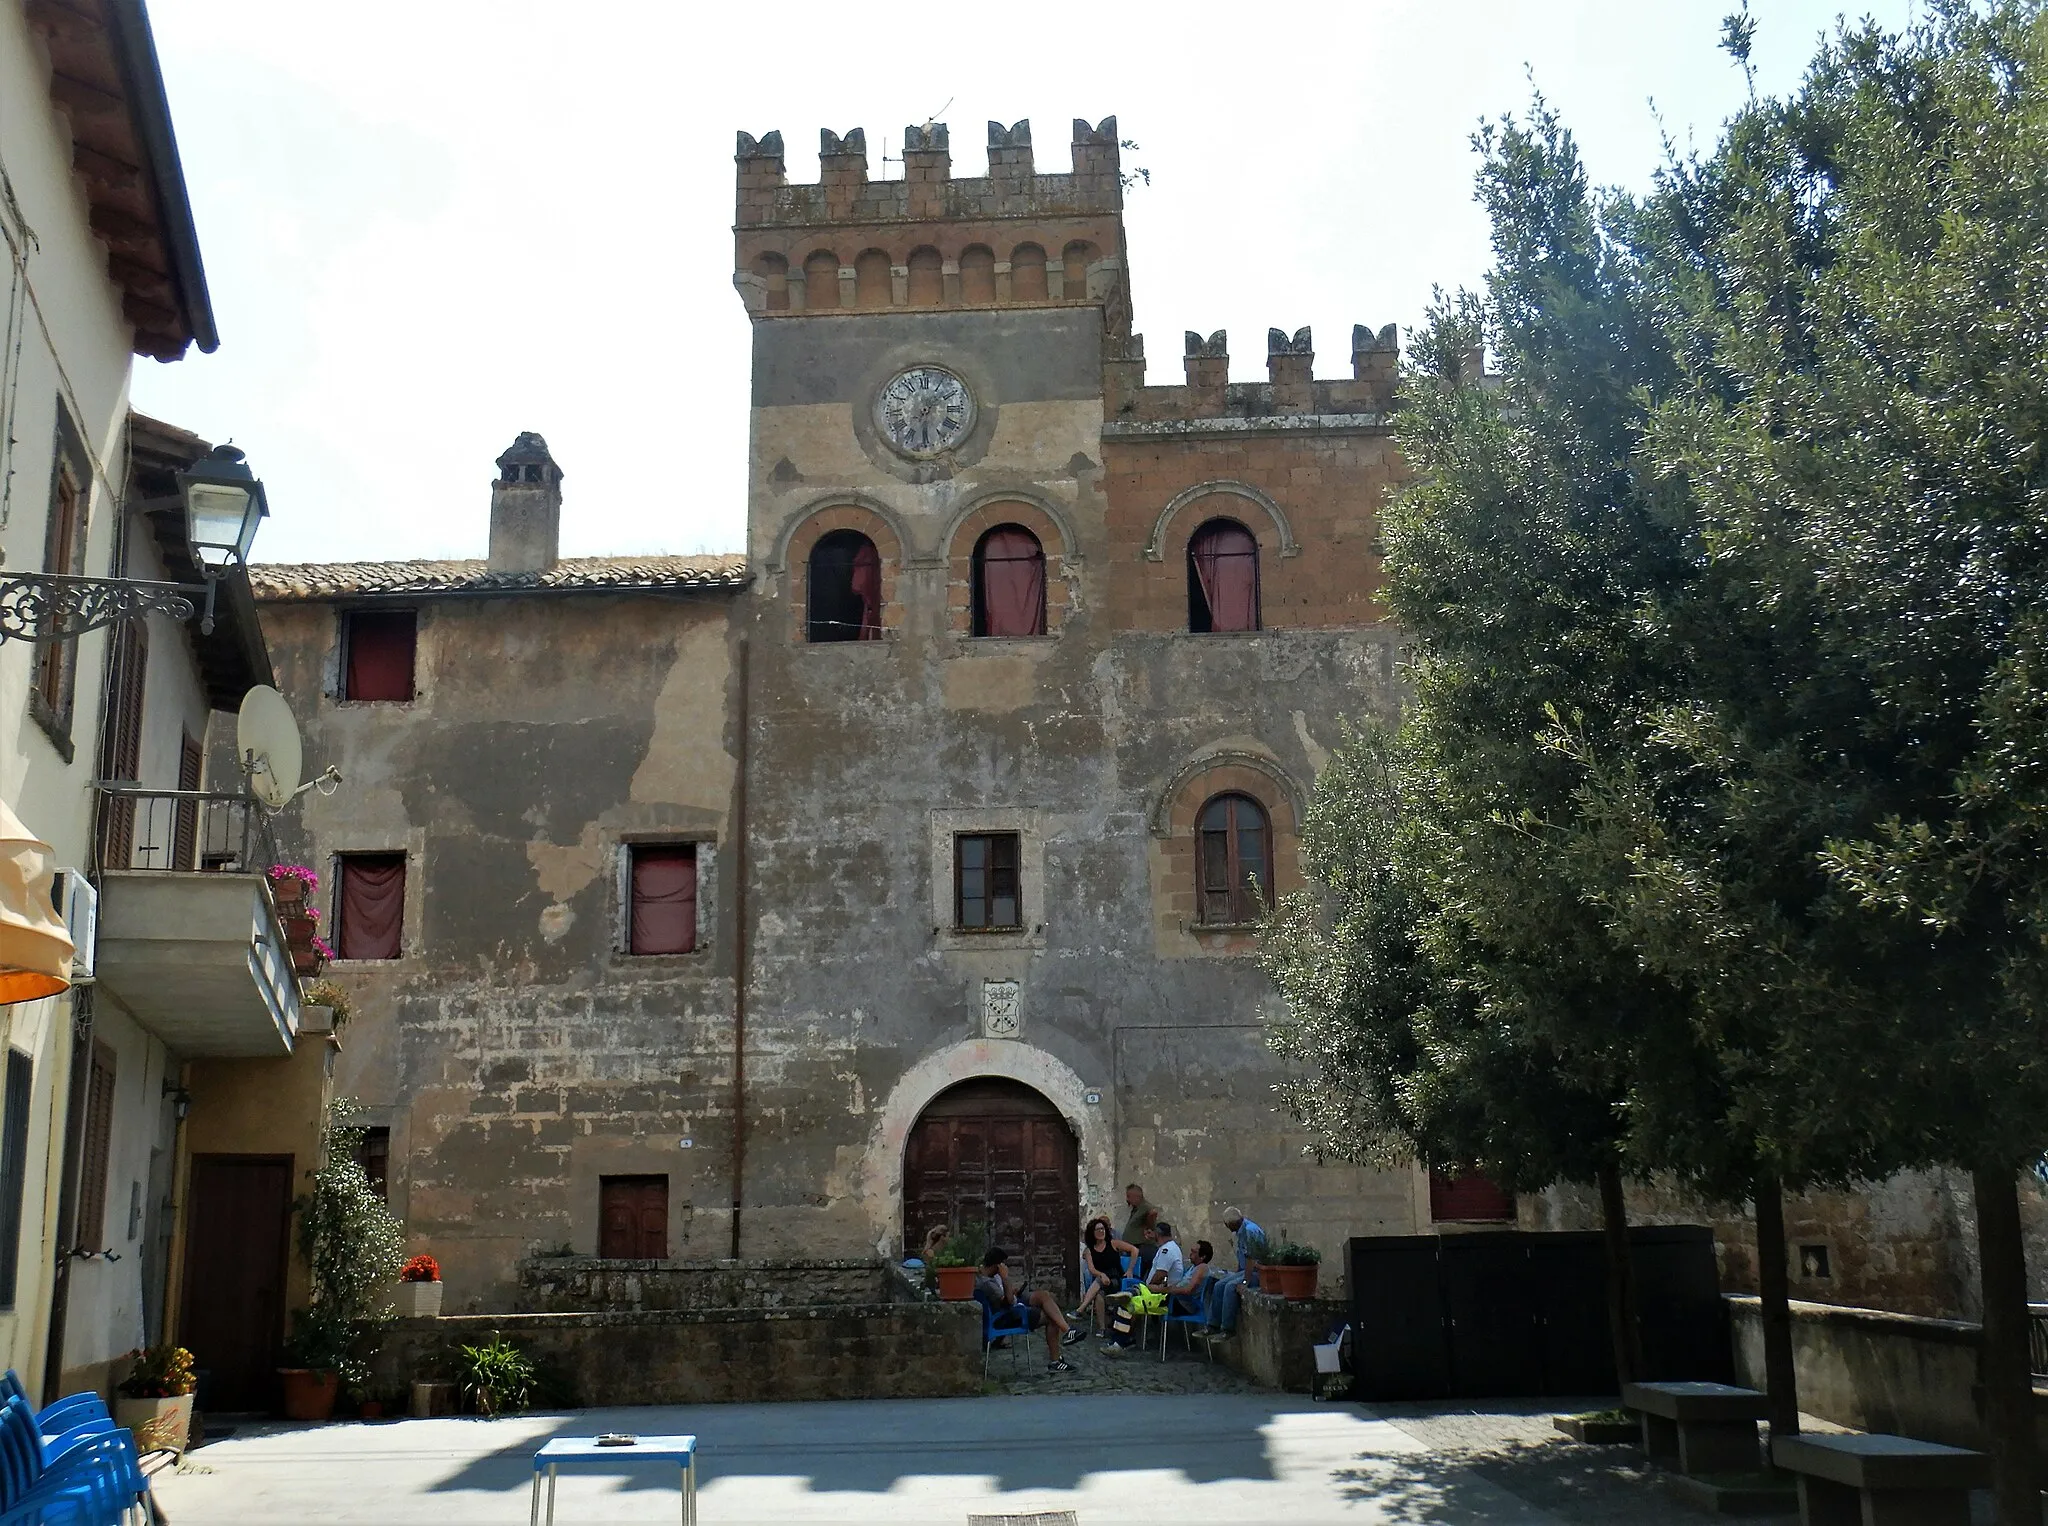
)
(1096, 1371)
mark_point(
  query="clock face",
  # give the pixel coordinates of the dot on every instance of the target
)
(925, 411)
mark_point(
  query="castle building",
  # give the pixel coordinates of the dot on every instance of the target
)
(903, 870)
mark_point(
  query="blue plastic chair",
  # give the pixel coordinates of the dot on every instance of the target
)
(1185, 1310)
(89, 1476)
(1013, 1321)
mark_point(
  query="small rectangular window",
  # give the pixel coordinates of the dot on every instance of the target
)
(369, 905)
(14, 1109)
(661, 891)
(377, 654)
(632, 1218)
(97, 1160)
(373, 1154)
(985, 892)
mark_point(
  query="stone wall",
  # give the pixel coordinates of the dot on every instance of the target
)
(1896, 1373)
(1908, 1244)
(583, 1284)
(1275, 1339)
(901, 1351)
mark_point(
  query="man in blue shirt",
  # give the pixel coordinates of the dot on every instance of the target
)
(1226, 1289)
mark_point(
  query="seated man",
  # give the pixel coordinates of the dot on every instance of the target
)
(1226, 1288)
(1167, 1264)
(1001, 1292)
(1190, 1293)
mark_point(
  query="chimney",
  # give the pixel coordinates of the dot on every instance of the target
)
(526, 508)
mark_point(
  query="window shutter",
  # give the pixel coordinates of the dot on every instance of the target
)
(121, 745)
(91, 1233)
(185, 839)
(13, 1168)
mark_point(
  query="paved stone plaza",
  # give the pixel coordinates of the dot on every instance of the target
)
(1246, 1457)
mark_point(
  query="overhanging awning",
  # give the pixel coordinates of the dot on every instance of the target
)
(35, 949)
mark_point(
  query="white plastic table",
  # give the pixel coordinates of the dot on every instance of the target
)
(584, 1452)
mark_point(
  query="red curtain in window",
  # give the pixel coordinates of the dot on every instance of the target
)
(1012, 583)
(372, 906)
(664, 900)
(1227, 564)
(380, 655)
(867, 589)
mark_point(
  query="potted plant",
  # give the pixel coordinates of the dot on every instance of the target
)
(353, 1247)
(155, 1399)
(419, 1289)
(497, 1376)
(328, 994)
(955, 1263)
(290, 885)
(1290, 1270)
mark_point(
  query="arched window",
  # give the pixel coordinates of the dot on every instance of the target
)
(1223, 578)
(821, 280)
(978, 275)
(927, 277)
(1234, 861)
(871, 279)
(845, 592)
(1009, 583)
(1027, 274)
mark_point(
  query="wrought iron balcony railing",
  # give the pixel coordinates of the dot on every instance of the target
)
(182, 830)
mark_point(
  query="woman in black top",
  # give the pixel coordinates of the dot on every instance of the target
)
(1102, 1270)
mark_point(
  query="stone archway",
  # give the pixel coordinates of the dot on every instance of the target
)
(995, 1151)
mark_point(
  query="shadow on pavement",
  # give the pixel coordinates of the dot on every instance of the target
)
(870, 1446)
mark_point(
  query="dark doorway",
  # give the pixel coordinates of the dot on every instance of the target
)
(996, 1152)
(237, 1223)
(632, 1218)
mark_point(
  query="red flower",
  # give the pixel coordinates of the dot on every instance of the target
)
(420, 1269)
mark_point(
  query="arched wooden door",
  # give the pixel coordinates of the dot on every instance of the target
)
(996, 1152)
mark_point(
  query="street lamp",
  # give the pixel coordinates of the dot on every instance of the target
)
(223, 504)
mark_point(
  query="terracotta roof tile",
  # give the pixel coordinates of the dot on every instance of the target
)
(281, 581)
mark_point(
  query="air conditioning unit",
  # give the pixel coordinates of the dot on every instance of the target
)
(79, 905)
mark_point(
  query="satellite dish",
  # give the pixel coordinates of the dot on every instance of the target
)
(267, 736)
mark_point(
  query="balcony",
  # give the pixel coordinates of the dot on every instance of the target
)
(188, 938)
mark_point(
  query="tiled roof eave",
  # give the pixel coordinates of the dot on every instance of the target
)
(316, 582)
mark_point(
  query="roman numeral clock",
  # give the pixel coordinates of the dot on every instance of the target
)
(924, 412)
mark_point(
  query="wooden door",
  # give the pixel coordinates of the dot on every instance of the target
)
(997, 1153)
(238, 1218)
(633, 1218)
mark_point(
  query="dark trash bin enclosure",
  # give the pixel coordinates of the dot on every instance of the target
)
(1508, 1314)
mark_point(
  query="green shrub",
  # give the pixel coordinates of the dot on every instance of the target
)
(964, 1247)
(497, 1377)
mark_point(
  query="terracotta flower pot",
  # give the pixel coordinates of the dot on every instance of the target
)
(309, 1395)
(156, 1422)
(956, 1283)
(371, 1409)
(287, 893)
(1297, 1283)
(417, 1300)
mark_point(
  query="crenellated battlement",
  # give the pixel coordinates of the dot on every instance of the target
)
(1013, 237)
(845, 195)
(1290, 390)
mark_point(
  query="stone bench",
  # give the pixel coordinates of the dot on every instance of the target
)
(1881, 1480)
(1699, 1428)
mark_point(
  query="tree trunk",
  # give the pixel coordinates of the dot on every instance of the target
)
(1773, 1283)
(1623, 1327)
(2003, 1367)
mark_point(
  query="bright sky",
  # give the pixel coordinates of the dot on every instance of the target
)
(430, 224)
